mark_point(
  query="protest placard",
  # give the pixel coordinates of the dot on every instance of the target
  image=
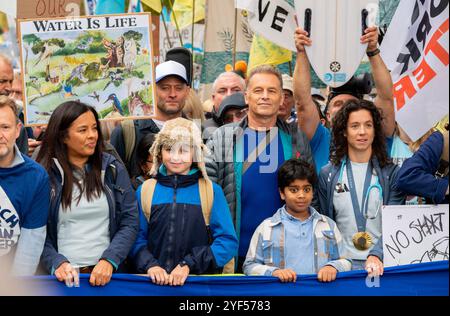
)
(104, 61)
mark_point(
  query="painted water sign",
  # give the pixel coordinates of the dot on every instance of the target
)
(415, 234)
(103, 61)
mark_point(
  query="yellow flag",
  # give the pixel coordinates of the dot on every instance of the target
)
(183, 12)
(264, 52)
(155, 5)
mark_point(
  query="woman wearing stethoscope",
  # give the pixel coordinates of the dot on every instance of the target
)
(357, 182)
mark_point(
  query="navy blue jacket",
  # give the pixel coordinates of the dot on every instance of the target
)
(417, 175)
(177, 229)
(123, 215)
(328, 178)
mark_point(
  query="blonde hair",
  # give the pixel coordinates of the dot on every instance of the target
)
(193, 107)
(10, 103)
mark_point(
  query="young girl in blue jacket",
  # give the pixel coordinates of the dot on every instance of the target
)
(176, 241)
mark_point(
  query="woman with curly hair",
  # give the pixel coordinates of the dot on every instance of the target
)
(358, 181)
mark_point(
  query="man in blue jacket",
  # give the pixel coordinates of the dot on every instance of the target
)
(357, 182)
(24, 198)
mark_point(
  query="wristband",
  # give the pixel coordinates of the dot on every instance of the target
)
(373, 53)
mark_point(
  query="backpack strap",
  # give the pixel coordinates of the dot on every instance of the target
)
(206, 191)
(129, 137)
(148, 188)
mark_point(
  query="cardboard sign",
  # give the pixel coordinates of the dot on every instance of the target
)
(105, 61)
(30, 9)
(415, 234)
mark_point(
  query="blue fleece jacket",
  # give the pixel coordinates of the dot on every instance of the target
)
(28, 188)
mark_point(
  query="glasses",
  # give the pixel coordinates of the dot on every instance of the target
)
(229, 117)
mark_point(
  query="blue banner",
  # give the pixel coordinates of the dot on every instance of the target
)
(428, 279)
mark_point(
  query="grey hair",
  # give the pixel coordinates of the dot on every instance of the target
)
(228, 74)
(266, 69)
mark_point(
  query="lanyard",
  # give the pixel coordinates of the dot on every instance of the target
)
(359, 213)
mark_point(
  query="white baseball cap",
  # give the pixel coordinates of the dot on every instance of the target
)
(288, 83)
(170, 68)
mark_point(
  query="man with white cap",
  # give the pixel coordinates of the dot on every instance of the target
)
(172, 89)
(285, 111)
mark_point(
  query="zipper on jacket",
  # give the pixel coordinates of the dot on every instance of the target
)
(172, 216)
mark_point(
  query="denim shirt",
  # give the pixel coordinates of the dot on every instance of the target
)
(267, 251)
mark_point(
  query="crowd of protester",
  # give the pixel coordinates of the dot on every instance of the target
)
(276, 180)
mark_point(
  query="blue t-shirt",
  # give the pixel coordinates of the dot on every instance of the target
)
(320, 146)
(260, 197)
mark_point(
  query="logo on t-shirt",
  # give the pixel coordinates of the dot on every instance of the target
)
(9, 224)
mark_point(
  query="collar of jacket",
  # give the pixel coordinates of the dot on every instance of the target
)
(107, 162)
(276, 218)
(279, 123)
(147, 125)
(179, 181)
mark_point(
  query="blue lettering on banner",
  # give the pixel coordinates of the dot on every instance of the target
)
(340, 77)
(328, 77)
(12, 220)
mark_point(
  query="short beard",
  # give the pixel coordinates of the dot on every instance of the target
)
(162, 107)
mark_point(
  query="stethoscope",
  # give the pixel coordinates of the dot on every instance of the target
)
(375, 186)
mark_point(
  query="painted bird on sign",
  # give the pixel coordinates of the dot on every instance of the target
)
(116, 103)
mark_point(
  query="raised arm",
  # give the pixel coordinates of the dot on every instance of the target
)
(308, 117)
(383, 81)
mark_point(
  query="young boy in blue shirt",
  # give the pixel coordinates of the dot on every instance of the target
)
(296, 239)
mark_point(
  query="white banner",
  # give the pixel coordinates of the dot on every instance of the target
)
(9, 7)
(244, 4)
(274, 20)
(415, 234)
(416, 50)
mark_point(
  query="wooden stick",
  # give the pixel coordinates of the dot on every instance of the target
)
(176, 22)
(193, 26)
(235, 37)
(165, 27)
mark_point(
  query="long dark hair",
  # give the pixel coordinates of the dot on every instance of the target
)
(340, 126)
(53, 146)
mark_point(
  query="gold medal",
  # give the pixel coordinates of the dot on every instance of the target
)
(362, 241)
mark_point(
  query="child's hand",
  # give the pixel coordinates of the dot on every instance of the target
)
(285, 275)
(158, 275)
(327, 274)
(179, 275)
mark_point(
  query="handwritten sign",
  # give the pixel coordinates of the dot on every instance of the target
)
(274, 20)
(29, 9)
(415, 234)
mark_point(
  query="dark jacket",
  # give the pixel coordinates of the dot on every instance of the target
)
(223, 168)
(177, 229)
(328, 178)
(123, 215)
(417, 175)
(142, 128)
